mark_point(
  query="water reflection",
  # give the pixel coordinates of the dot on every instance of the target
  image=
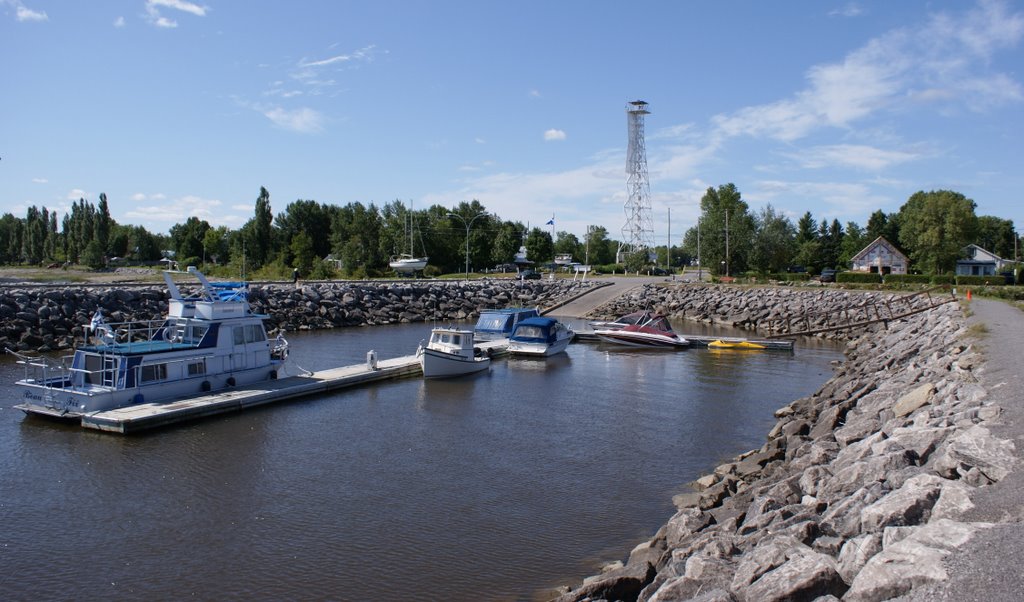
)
(489, 486)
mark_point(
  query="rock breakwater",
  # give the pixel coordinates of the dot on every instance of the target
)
(857, 493)
(50, 319)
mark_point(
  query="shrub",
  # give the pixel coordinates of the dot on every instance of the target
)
(994, 280)
(859, 277)
(790, 276)
(907, 279)
(943, 279)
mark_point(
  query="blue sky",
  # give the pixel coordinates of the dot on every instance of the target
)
(176, 108)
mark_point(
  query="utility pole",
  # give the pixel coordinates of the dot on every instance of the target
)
(727, 242)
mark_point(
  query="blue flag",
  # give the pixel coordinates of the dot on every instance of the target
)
(551, 222)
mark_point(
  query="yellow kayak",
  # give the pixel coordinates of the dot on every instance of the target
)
(734, 345)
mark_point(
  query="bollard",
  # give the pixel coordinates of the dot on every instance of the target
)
(371, 360)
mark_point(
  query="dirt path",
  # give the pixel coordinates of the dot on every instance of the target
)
(988, 567)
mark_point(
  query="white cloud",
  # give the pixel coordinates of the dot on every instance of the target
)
(852, 155)
(554, 134)
(77, 193)
(946, 58)
(303, 120)
(165, 214)
(534, 93)
(363, 54)
(23, 14)
(850, 10)
(156, 18)
(119, 22)
(841, 198)
(40, 180)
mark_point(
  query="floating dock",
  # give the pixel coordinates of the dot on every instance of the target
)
(696, 340)
(145, 416)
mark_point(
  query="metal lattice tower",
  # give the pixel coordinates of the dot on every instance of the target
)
(638, 231)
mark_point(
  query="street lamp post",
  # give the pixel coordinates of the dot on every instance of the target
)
(468, 225)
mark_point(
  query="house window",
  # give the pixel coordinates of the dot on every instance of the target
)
(154, 372)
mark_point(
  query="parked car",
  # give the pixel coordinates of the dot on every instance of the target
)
(828, 275)
(796, 269)
(529, 275)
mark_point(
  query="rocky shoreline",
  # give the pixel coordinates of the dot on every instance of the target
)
(859, 490)
(45, 319)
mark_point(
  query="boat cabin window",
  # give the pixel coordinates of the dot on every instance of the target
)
(493, 322)
(456, 339)
(96, 373)
(196, 368)
(250, 333)
(154, 372)
(198, 332)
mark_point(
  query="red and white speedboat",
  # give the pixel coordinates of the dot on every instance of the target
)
(653, 332)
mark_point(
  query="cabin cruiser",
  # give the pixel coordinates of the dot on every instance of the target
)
(654, 332)
(207, 342)
(539, 337)
(451, 352)
(495, 324)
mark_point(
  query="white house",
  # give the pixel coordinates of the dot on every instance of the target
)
(979, 262)
(880, 257)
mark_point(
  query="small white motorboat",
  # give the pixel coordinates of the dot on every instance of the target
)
(653, 333)
(540, 337)
(450, 352)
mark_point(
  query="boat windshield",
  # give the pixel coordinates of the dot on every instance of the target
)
(530, 332)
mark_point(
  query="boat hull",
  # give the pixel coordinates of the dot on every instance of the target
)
(408, 265)
(440, 364)
(641, 339)
(538, 349)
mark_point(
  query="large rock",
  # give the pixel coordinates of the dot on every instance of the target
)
(909, 505)
(915, 560)
(806, 575)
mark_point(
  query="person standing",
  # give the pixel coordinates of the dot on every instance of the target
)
(295, 277)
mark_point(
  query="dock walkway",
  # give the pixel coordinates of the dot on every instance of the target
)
(146, 416)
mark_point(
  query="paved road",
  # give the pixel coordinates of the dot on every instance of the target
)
(989, 566)
(620, 286)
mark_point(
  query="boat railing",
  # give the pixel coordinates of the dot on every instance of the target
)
(130, 336)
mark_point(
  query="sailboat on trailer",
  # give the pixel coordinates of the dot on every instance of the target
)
(406, 263)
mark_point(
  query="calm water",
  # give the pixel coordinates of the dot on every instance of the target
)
(497, 486)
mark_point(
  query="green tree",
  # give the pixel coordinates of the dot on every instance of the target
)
(600, 249)
(994, 234)
(539, 246)
(724, 215)
(854, 242)
(103, 223)
(305, 216)
(92, 255)
(935, 227)
(568, 244)
(507, 241)
(215, 244)
(10, 239)
(258, 232)
(774, 239)
(302, 252)
(187, 239)
(805, 229)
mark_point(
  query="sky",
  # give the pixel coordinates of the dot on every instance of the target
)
(176, 108)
